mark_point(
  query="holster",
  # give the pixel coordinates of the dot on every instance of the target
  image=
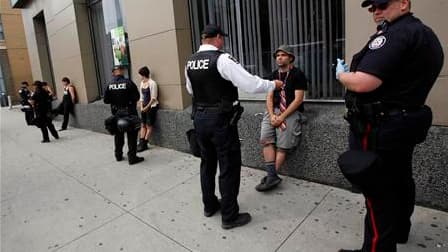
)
(110, 124)
(359, 115)
(363, 169)
(236, 115)
(195, 149)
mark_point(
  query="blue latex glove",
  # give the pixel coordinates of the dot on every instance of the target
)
(341, 67)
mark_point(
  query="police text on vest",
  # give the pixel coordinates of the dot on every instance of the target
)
(198, 64)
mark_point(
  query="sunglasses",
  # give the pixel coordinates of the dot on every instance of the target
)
(373, 8)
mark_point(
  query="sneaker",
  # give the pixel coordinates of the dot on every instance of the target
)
(268, 183)
(62, 129)
(118, 158)
(135, 160)
(216, 209)
(241, 220)
(45, 141)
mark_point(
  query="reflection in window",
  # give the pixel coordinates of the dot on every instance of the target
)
(314, 29)
(104, 16)
(2, 35)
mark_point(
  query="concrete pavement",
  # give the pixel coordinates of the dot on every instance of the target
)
(71, 195)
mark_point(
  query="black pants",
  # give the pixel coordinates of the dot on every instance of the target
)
(219, 142)
(29, 116)
(65, 108)
(388, 214)
(44, 123)
(132, 143)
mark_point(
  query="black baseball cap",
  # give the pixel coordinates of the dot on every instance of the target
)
(212, 30)
(366, 3)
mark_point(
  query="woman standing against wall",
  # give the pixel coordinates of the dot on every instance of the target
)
(148, 106)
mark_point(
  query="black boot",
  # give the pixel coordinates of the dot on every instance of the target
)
(135, 160)
(142, 145)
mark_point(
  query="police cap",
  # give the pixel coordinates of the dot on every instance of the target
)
(211, 31)
(117, 67)
(286, 49)
(366, 3)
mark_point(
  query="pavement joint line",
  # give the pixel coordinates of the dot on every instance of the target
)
(164, 192)
(304, 219)
(160, 232)
(125, 211)
(91, 231)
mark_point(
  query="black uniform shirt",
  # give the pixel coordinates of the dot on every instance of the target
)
(41, 105)
(296, 80)
(122, 93)
(407, 57)
(25, 94)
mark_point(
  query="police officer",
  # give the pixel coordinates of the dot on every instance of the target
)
(122, 94)
(212, 78)
(388, 83)
(25, 95)
(39, 101)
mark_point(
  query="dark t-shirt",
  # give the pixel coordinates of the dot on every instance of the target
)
(407, 57)
(40, 98)
(295, 80)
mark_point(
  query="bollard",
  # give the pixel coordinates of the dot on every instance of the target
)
(9, 102)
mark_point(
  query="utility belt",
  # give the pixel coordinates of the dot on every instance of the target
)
(359, 115)
(376, 111)
(233, 110)
(122, 111)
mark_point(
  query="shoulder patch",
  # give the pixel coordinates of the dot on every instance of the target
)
(233, 59)
(377, 43)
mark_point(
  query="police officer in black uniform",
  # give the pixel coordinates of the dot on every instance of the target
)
(122, 95)
(42, 109)
(25, 95)
(212, 78)
(388, 83)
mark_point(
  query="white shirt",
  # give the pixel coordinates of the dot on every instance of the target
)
(232, 71)
(152, 90)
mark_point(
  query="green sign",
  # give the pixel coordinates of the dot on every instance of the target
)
(119, 48)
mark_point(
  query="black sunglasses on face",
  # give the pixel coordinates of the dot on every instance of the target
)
(373, 8)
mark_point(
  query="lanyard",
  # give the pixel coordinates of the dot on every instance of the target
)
(286, 77)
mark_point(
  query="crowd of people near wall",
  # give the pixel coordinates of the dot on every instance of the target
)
(37, 104)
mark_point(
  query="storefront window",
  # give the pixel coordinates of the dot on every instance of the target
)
(314, 29)
(2, 35)
(109, 38)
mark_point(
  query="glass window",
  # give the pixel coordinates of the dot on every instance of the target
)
(314, 29)
(2, 88)
(104, 17)
(2, 35)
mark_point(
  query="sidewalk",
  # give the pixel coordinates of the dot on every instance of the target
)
(71, 195)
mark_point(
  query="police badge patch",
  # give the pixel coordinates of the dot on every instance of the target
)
(377, 43)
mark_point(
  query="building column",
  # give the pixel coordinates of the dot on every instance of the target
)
(159, 37)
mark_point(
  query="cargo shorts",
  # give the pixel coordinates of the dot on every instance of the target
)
(283, 139)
